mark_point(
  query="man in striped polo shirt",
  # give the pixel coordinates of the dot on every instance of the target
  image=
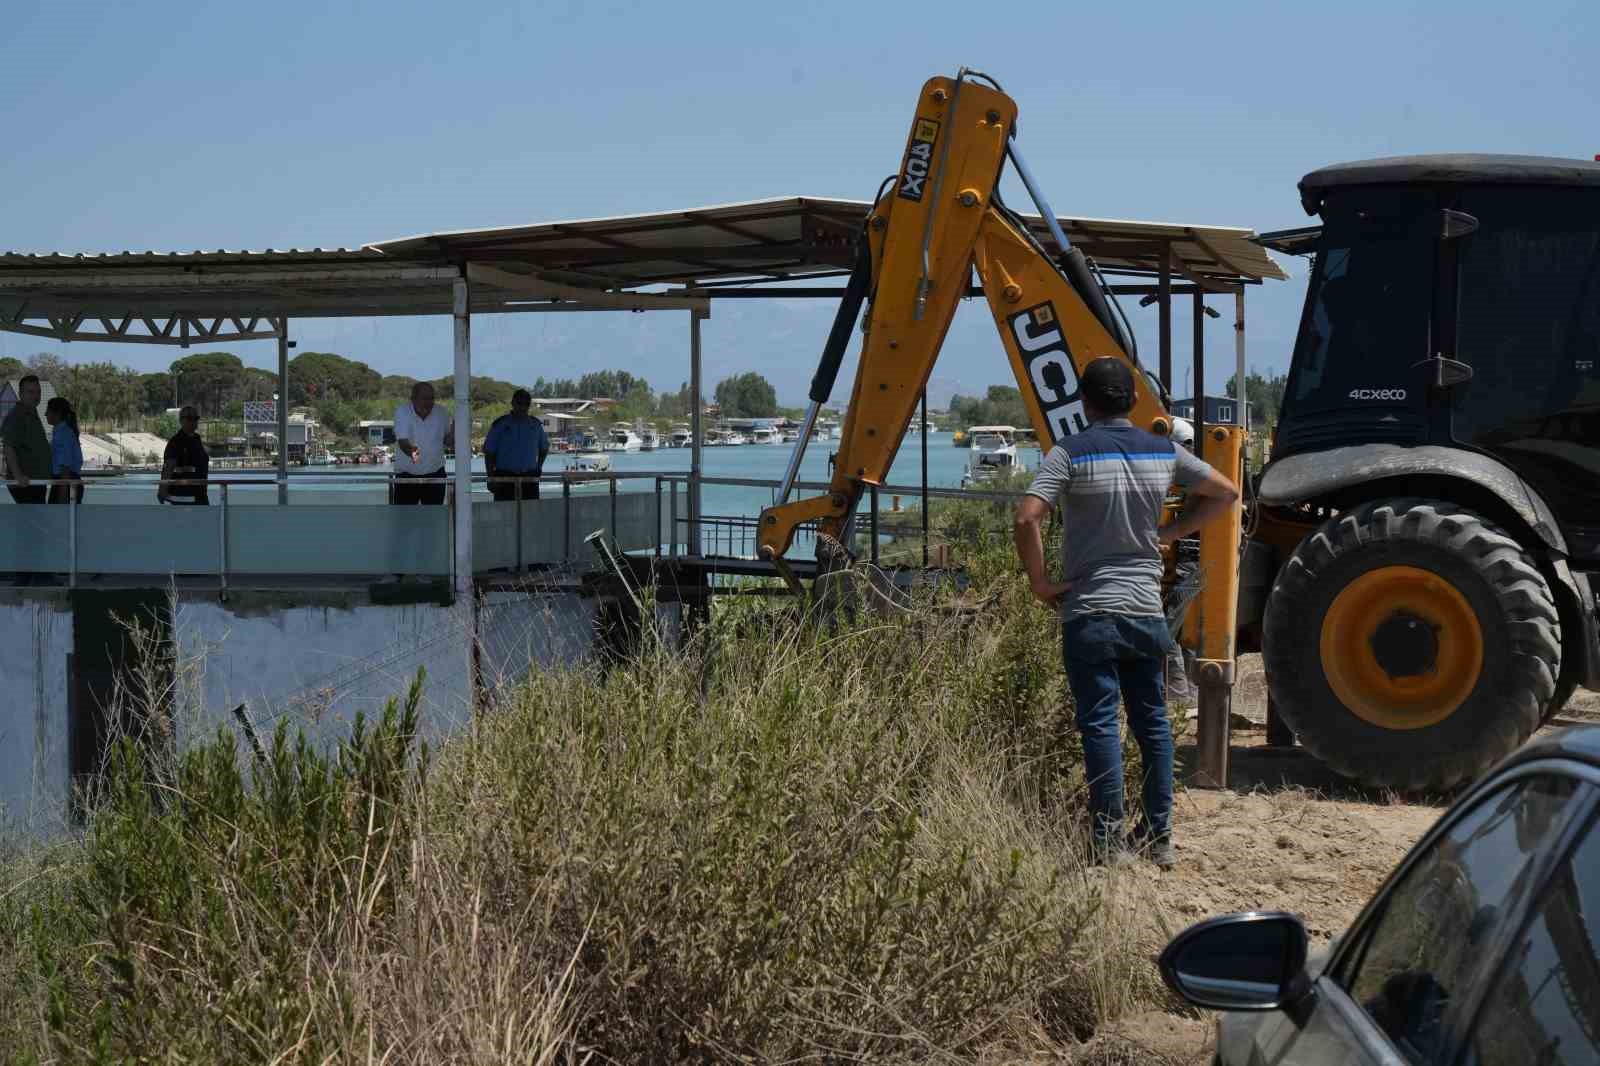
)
(1110, 482)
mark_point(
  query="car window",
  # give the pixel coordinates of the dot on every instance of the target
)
(1422, 948)
(1544, 1006)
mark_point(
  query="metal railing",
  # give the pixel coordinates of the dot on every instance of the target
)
(675, 531)
(56, 546)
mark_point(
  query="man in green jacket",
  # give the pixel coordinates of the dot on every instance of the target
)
(27, 449)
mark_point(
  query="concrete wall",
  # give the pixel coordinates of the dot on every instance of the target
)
(35, 642)
(317, 664)
(310, 658)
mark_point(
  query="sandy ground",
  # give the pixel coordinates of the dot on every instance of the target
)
(1273, 842)
(1287, 835)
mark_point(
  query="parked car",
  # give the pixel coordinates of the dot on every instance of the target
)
(1482, 948)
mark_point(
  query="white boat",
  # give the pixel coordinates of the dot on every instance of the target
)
(991, 450)
(765, 435)
(622, 438)
(790, 436)
(733, 436)
(682, 437)
(588, 463)
(649, 439)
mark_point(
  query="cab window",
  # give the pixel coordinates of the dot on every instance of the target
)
(1419, 953)
(1367, 309)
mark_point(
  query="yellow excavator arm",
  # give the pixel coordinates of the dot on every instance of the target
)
(937, 224)
(939, 221)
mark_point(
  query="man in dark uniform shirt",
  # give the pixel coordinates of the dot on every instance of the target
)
(185, 460)
(516, 445)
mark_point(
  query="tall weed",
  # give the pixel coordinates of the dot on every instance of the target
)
(842, 841)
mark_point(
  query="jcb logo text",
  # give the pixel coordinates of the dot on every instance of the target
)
(1051, 375)
(919, 159)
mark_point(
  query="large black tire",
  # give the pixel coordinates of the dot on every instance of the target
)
(1508, 597)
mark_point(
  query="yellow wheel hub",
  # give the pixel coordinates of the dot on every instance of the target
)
(1401, 647)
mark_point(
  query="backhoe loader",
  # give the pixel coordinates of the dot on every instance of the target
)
(1416, 566)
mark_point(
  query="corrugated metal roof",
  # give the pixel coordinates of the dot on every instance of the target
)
(525, 267)
(797, 237)
(197, 257)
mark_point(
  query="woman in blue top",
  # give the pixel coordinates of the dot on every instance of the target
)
(66, 456)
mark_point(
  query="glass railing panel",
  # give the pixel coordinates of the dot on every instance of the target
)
(494, 536)
(542, 529)
(149, 538)
(339, 539)
(35, 538)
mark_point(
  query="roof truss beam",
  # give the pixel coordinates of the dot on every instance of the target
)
(177, 330)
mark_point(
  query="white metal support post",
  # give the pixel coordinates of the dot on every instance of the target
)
(696, 428)
(283, 411)
(463, 444)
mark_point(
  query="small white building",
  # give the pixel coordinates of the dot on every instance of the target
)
(373, 432)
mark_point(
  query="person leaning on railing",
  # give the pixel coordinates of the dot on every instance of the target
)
(515, 447)
(27, 452)
(185, 460)
(66, 454)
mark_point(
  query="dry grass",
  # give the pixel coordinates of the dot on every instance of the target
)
(786, 841)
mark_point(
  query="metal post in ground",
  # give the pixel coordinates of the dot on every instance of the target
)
(924, 478)
(222, 542)
(463, 442)
(1199, 364)
(72, 536)
(874, 525)
(1164, 306)
(696, 430)
(1240, 395)
(566, 520)
(283, 410)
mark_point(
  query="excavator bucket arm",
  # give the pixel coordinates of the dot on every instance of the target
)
(929, 223)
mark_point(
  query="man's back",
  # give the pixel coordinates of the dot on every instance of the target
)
(1111, 481)
(517, 443)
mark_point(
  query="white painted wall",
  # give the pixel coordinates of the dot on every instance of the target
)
(35, 784)
(314, 666)
(318, 667)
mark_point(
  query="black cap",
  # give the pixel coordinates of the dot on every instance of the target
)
(1108, 385)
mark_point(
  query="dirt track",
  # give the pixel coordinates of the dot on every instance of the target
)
(1287, 835)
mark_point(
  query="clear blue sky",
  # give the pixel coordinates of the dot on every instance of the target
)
(168, 126)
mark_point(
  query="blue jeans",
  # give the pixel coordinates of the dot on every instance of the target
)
(1109, 656)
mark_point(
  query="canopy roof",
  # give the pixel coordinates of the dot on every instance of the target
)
(605, 263)
(795, 237)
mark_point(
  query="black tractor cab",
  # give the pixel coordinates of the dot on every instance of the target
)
(1455, 303)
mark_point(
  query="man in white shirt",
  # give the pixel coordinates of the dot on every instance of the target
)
(419, 429)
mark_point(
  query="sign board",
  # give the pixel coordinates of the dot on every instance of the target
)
(260, 411)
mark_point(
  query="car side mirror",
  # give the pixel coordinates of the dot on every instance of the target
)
(1245, 962)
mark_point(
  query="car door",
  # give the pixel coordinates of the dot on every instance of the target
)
(1393, 993)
